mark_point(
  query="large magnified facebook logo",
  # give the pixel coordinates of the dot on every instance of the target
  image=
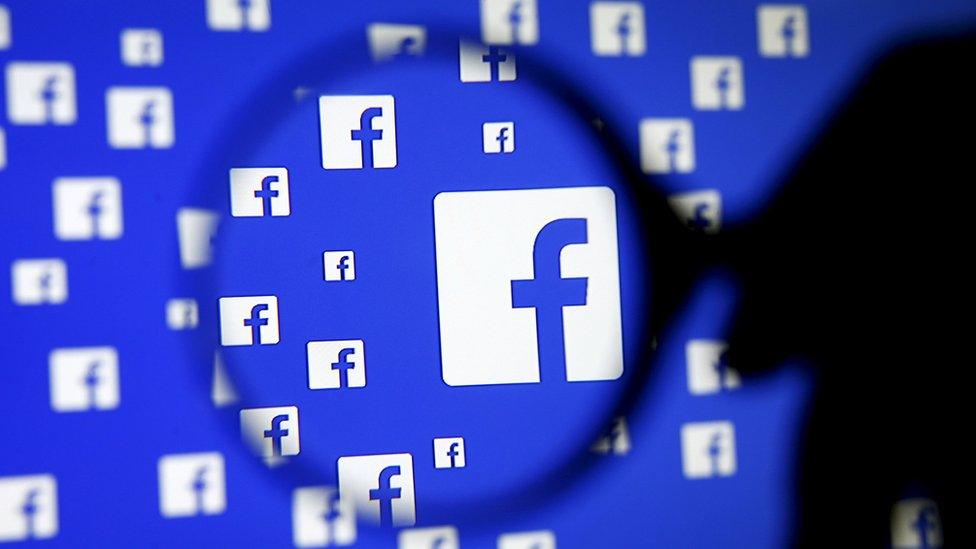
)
(528, 286)
(380, 487)
(28, 507)
(358, 131)
(248, 320)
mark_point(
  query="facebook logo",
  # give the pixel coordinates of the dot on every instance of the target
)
(357, 131)
(700, 211)
(617, 28)
(480, 63)
(259, 192)
(528, 286)
(28, 507)
(708, 449)
(616, 441)
(449, 453)
(336, 364)
(271, 432)
(139, 118)
(320, 519)
(141, 47)
(783, 30)
(390, 41)
(248, 320)
(380, 488)
(5, 31)
(196, 228)
(239, 15)
(499, 137)
(716, 83)
(39, 281)
(540, 539)
(708, 369)
(432, 537)
(84, 378)
(915, 524)
(339, 266)
(667, 145)
(182, 313)
(191, 484)
(87, 208)
(41, 93)
(509, 22)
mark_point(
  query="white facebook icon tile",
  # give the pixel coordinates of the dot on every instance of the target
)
(480, 63)
(498, 137)
(389, 40)
(667, 145)
(5, 30)
(28, 507)
(87, 208)
(708, 372)
(196, 228)
(235, 15)
(39, 281)
(708, 449)
(783, 30)
(380, 487)
(915, 524)
(432, 537)
(248, 320)
(336, 364)
(191, 484)
(698, 210)
(41, 93)
(139, 117)
(357, 131)
(84, 378)
(271, 432)
(320, 519)
(182, 313)
(339, 266)
(540, 539)
(449, 453)
(141, 47)
(509, 22)
(717, 83)
(259, 192)
(617, 28)
(499, 254)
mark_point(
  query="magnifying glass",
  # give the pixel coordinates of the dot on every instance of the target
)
(435, 280)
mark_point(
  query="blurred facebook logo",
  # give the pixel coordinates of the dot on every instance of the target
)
(248, 320)
(617, 28)
(39, 281)
(708, 449)
(84, 378)
(271, 432)
(539, 539)
(336, 364)
(783, 30)
(708, 370)
(357, 131)
(509, 22)
(717, 83)
(28, 507)
(5, 31)
(41, 93)
(615, 441)
(259, 192)
(380, 488)
(191, 484)
(390, 41)
(87, 208)
(449, 453)
(239, 15)
(528, 286)
(320, 519)
(139, 117)
(196, 228)
(700, 211)
(431, 537)
(915, 524)
(182, 313)
(480, 63)
(141, 47)
(667, 145)
(498, 137)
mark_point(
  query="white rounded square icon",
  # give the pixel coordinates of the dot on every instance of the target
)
(234, 15)
(357, 131)
(667, 145)
(498, 137)
(336, 364)
(139, 117)
(248, 320)
(196, 228)
(617, 28)
(182, 313)
(509, 22)
(708, 372)
(28, 507)
(259, 192)
(449, 453)
(87, 208)
(41, 93)
(141, 47)
(271, 432)
(84, 378)
(913, 518)
(708, 449)
(717, 83)
(39, 281)
(439, 537)
(389, 40)
(783, 30)
(339, 266)
(380, 487)
(320, 519)
(191, 484)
